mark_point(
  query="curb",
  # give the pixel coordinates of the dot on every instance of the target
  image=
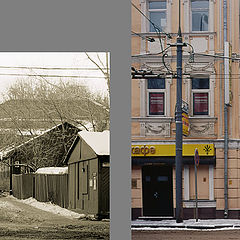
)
(202, 227)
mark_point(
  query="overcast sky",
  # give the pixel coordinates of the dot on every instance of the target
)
(48, 60)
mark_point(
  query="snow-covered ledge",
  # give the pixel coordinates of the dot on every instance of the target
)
(201, 203)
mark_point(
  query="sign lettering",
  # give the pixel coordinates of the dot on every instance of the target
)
(143, 150)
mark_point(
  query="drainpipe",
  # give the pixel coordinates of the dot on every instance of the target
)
(226, 104)
(226, 160)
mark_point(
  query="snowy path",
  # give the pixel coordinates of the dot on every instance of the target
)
(29, 219)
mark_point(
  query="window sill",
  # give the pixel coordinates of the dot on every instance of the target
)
(201, 118)
(199, 33)
(153, 34)
(153, 119)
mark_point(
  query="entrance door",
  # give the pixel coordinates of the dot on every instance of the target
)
(157, 191)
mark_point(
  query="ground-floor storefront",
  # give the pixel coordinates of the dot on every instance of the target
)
(153, 181)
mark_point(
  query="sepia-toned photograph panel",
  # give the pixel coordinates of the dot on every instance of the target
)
(55, 145)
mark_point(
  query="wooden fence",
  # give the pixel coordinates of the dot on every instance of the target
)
(23, 185)
(52, 188)
(43, 187)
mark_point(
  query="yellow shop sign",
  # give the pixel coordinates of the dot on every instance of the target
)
(169, 150)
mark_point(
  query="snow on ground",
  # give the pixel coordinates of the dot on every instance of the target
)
(191, 224)
(10, 206)
(180, 229)
(49, 207)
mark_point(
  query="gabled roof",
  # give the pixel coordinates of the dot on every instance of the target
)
(49, 145)
(98, 141)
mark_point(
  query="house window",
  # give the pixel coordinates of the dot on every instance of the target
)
(200, 12)
(200, 94)
(157, 14)
(156, 96)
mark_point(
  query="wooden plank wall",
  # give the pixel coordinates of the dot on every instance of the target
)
(45, 188)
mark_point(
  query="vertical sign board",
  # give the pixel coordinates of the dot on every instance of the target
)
(185, 119)
(196, 163)
(230, 74)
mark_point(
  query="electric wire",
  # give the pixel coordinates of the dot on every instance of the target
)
(144, 38)
(50, 68)
(49, 76)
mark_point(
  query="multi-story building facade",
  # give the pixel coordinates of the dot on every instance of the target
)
(213, 120)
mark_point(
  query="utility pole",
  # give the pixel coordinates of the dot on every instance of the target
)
(11, 175)
(178, 160)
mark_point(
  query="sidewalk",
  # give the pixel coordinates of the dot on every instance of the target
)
(186, 224)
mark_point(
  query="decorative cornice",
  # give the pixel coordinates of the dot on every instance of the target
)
(156, 67)
(199, 67)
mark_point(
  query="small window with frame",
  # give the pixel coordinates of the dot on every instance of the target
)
(157, 11)
(200, 14)
(156, 93)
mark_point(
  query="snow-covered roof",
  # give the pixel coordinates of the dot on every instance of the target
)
(52, 170)
(6, 151)
(98, 141)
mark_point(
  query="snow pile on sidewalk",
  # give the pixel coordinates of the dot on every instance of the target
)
(191, 224)
(49, 207)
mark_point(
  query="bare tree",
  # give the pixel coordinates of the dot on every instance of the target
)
(39, 106)
(103, 67)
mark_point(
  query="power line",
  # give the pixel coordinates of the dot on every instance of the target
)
(201, 54)
(42, 75)
(144, 38)
(50, 68)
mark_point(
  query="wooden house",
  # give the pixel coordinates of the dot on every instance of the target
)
(46, 150)
(89, 168)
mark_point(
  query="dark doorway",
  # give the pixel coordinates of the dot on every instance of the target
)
(157, 190)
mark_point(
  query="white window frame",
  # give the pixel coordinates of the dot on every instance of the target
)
(158, 90)
(157, 10)
(201, 91)
(200, 9)
(187, 190)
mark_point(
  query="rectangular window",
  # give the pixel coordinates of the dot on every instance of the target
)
(156, 83)
(200, 103)
(156, 96)
(200, 12)
(156, 103)
(157, 14)
(200, 93)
